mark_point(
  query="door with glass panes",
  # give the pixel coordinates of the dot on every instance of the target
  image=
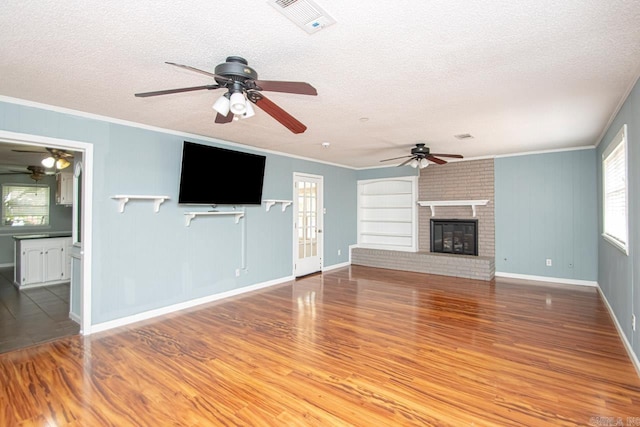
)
(308, 215)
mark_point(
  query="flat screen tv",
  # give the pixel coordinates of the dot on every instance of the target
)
(218, 176)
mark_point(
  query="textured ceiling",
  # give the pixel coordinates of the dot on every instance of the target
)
(519, 76)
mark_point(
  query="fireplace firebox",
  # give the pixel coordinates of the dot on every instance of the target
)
(454, 236)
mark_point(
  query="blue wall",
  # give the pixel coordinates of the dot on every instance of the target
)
(619, 274)
(59, 216)
(545, 206)
(144, 260)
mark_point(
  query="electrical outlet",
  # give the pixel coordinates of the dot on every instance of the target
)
(237, 272)
(339, 252)
(633, 322)
(549, 263)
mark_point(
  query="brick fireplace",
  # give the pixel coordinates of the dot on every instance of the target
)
(469, 181)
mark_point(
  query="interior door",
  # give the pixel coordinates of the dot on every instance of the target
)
(308, 222)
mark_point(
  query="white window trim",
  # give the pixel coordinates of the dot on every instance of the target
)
(620, 138)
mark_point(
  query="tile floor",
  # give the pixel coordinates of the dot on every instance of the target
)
(32, 316)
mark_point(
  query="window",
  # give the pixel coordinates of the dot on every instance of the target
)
(614, 173)
(25, 205)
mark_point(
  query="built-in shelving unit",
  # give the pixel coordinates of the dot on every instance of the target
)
(387, 213)
(472, 203)
(188, 216)
(123, 199)
(270, 202)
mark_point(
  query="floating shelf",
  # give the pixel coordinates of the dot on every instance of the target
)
(472, 203)
(190, 215)
(123, 199)
(270, 202)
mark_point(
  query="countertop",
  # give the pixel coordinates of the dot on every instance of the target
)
(40, 236)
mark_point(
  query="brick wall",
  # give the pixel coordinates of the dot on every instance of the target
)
(467, 180)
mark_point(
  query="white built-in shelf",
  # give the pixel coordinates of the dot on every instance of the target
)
(124, 198)
(473, 203)
(188, 216)
(270, 202)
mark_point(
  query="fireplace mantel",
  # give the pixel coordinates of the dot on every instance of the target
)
(473, 203)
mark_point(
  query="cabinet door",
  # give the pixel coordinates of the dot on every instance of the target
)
(32, 265)
(64, 190)
(53, 262)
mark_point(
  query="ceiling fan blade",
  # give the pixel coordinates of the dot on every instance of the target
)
(184, 89)
(456, 156)
(277, 113)
(301, 88)
(224, 119)
(197, 70)
(29, 151)
(406, 161)
(436, 160)
(395, 158)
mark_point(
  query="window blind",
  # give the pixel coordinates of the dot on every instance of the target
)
(25, 205)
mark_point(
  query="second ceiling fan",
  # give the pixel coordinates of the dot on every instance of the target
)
(243, 90)
(421, 156)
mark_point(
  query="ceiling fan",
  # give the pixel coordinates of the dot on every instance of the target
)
(35, 172)
(421, 156)
(242, 85)
(58, 158)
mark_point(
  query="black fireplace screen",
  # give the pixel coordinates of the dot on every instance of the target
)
(454, 236)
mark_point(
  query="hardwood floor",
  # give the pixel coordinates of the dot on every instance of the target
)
(355, 346)
(32, 316)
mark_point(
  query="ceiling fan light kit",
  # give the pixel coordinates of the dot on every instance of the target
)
(243, 89)
(421, 156)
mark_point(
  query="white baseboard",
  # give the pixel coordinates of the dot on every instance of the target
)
(184, 305)
(9, 264)
(75, 318)
(547, 279)
(336, 266)
(623, 337)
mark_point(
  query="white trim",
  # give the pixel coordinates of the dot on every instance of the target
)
(87, 196)
(615, 112)
(548, 279)
(6, 265)
(75, 318)
(157, 129)
(616, 141)
(123, 321)
(623, 337)
(336, 266)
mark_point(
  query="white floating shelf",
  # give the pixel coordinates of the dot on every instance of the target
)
(190, 215)
(473, 203)
(270, 202)
(123, 199)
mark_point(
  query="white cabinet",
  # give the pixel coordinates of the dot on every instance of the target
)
(387, 213)
(41, 262)
(64, 188)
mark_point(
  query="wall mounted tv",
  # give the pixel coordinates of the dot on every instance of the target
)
(218, 176)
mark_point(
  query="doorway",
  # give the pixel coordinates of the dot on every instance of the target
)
(307, 224)
(83, 188)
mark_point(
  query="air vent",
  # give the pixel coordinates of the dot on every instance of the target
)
(304, 13)
(464, 136)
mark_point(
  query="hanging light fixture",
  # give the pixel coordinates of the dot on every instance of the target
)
(48, 162)
(250, 112)
(222, 104)
(238, 103)
(62, 163)
(423, 163)
(414, 163)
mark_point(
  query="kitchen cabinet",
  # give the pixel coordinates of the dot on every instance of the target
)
(41, 261)
(64, 188)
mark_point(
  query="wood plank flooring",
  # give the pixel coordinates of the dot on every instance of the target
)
(356, 346)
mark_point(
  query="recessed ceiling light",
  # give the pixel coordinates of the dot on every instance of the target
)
(325, 144)
(364, 119)
(464, 136)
